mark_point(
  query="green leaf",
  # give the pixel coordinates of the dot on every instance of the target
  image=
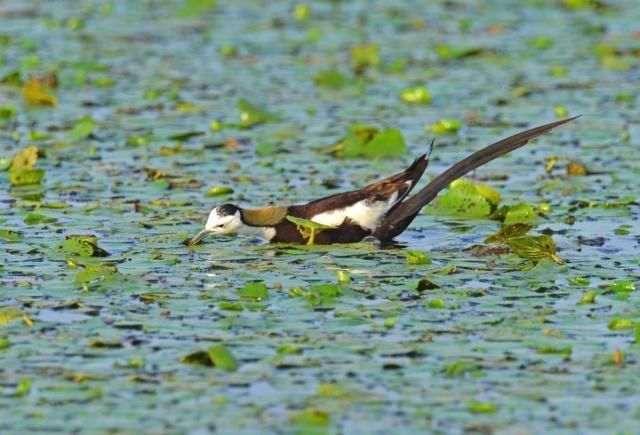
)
(301, 11)
(9, 314)
(23, 388)
(251, 115)
(549, 349)
(320, 293)
(267, 149)
(464, 198)
(520, 213)
(197, 358)
(387, 143)
(460, 368)
(582, 4)
(622, 286)
(589, 297)
(81, 246)
(35, 218)
(369, 142)
(534, 248)
(26, 177)
(36, 93)
(508, 232)
(416, 95)
(38, 135)
(82, 129)
(218, 191)
(186, 135)
(311, 417)
(5, 343)
(195, 8)
(231, 306)
(100, 276)
(343, 277)
(308, 228)
(450, 52)
(331, 79)
(364, 56)
(426, 284)
(10, 236)
(435, 304)
(306, 223)
(222, 358)
(417, 257)
(7, 113)
(541, 42)
(25, 159)
(579, 280)
(482, 407)
(256, 291)
(618, 324)
(446, 126)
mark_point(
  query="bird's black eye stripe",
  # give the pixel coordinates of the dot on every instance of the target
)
(221, 225)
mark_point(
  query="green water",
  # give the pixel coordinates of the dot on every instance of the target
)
(496, 346)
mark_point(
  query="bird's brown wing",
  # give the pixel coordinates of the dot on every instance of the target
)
(400, 183)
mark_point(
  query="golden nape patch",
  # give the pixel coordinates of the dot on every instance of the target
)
(264, 216)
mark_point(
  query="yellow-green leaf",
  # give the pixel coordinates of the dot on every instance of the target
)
(251, 115)
(508, 232)
(256, 291)
(222, 358)
(534, 248)
(446, 126)
(26, 177)
(416, 95)
(82, 129)
(36, 94)
(218, 190)
(25, 159)
(364, 56)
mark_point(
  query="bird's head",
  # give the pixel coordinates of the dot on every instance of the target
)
(223, 219)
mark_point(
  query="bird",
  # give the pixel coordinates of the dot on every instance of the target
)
(382, 210)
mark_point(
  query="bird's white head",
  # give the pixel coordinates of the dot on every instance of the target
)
(223, 219)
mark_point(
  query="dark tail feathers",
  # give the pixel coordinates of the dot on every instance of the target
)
(402, 214)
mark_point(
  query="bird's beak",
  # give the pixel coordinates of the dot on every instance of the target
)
(199, 237)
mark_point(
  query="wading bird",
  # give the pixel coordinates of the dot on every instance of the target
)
(381, 209)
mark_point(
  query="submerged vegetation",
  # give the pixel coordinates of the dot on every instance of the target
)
(122, 122)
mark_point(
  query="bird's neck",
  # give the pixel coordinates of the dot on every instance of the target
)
(266, 232)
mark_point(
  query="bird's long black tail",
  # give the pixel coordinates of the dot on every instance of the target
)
(403, 214)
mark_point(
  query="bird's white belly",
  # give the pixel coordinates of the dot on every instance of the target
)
(267, 233)
(364, 213)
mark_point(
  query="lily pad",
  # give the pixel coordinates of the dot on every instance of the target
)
(534, 248)
(81, 246)
(416, 95)
(256, 291)
(25, 159)
(26, 177)
(369, 142)
(82, 129)
(509, 231)
(216, 356)
(417, 257)
(446, 126)
(218, 191)
(465, 198)
(251, 115)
